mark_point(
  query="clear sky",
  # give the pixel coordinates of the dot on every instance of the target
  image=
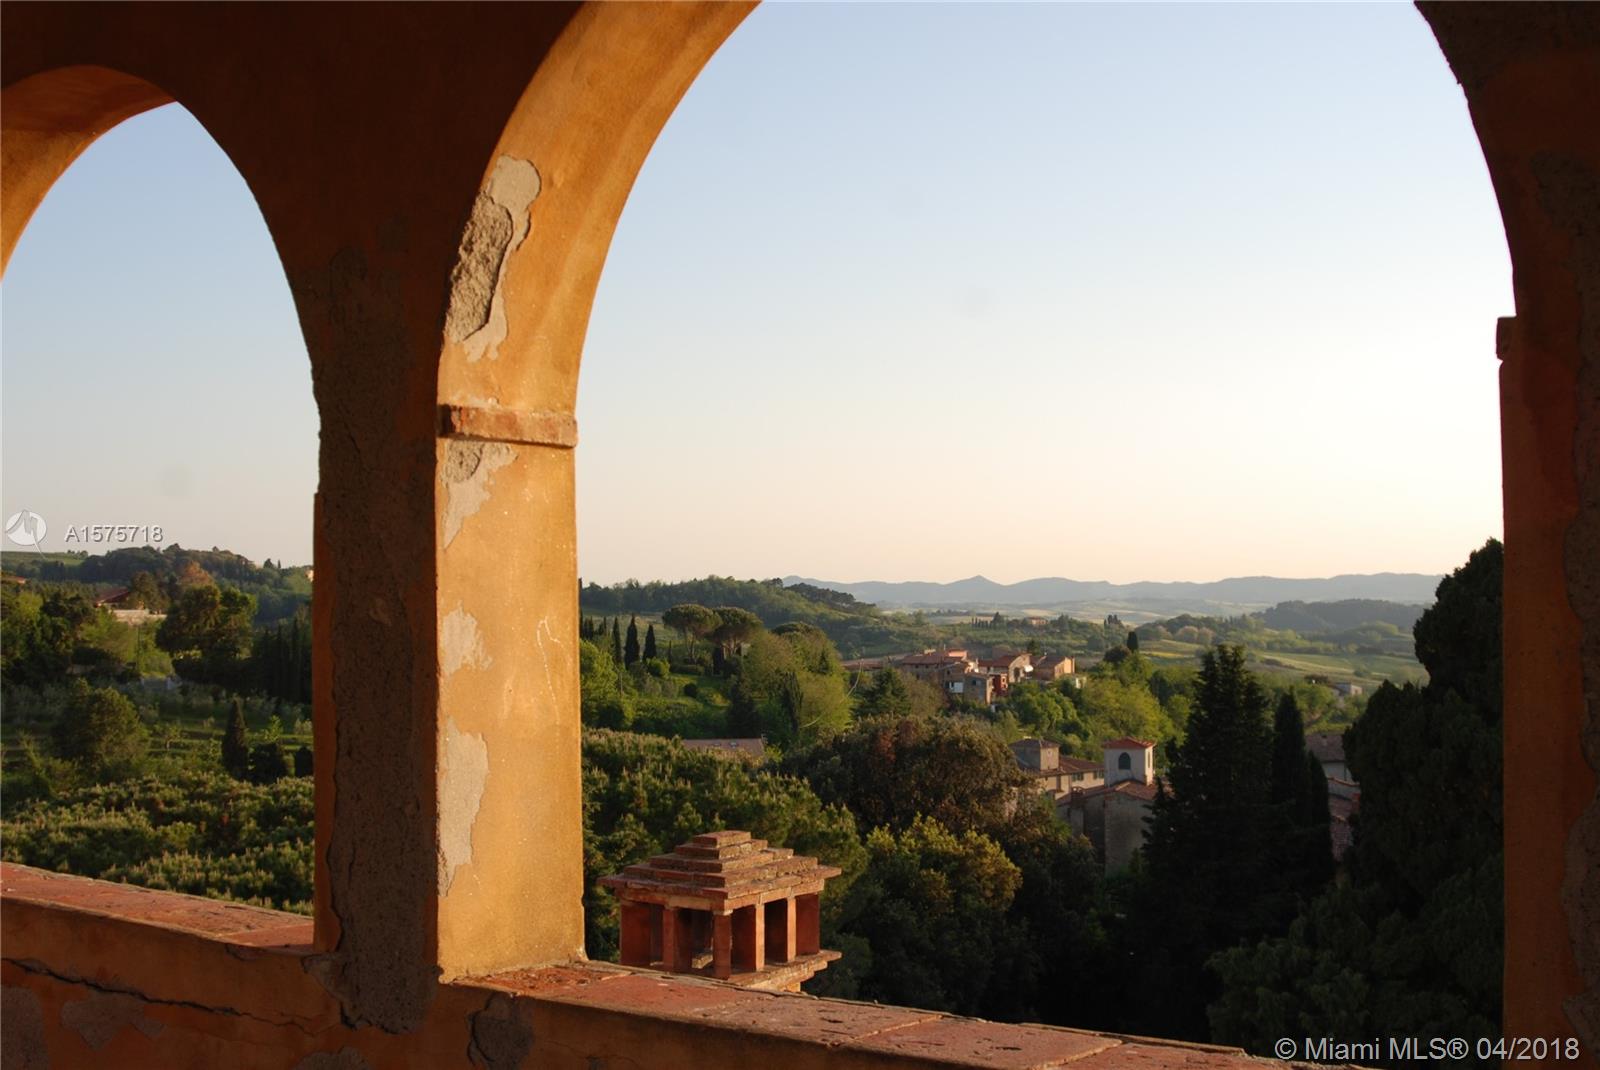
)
(903, 292)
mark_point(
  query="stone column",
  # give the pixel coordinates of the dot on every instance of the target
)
(635, 936)
(749, 939)
(808, 924)
(722, 946)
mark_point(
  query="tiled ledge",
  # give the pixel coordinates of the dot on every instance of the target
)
(97, 971)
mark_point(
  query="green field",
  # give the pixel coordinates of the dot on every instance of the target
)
(1365, 669)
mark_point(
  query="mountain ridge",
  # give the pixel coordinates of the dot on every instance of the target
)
(979, 591)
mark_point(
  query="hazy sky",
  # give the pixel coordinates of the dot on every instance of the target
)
(903, 292)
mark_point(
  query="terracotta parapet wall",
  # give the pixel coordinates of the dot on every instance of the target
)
(101, 974)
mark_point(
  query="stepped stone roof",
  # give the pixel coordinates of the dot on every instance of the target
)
(721, 871)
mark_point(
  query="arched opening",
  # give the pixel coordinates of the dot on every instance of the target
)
(158, 419)
(778, 336)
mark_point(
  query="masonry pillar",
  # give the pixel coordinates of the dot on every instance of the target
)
(808, 924)
(722, 946)
(749, 939)
(635, 933)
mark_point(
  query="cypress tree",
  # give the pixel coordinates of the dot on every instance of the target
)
(630, 650)
(236, 744)
(1211, 857)
(1133, 642)
(1288, 752)
(887, 696)
(616, 641)
(650, 642)
(1316, 822)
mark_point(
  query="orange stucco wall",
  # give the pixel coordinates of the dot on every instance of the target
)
(98, 975)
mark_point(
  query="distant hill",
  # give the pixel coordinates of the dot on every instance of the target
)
(1241, 594)
(1314, 618)
(279, 591)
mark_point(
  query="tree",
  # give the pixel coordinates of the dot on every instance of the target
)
(630, 648)
(144, 592)
(267, 763)
(1048, 711)
(303, 761)
(616, 641)
(1299, 792)
(692, 622)
(1132, 642)
(1208, 874)
(605, 703)
(735, 626)
(1412, 944)
(932, 906)
(888, 771)
(236, 743)
(208, 632)
(101, 732)
(781, 693)
(887, 697)
(650, 643)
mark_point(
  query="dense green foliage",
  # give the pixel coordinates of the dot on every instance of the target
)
(208, 632)
(100, 731)
(202, 833)
(1412, 945)
(891, 771)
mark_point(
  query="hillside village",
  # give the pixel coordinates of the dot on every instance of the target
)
(966, 679)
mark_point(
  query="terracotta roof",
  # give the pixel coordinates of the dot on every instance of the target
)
(1126, 743)
(721, 869)
(1327, 746)
(1136, 789)
(1080, 765)
(929, 659)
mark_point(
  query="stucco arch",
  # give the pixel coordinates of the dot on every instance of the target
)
(47, 120)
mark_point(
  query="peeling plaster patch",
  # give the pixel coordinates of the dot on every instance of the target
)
(501, 1037)
(463, 770)
(22, 1045)
(343, 1059)
(467, 469)
(499, 223)
(460, 642)
(105, 1014)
